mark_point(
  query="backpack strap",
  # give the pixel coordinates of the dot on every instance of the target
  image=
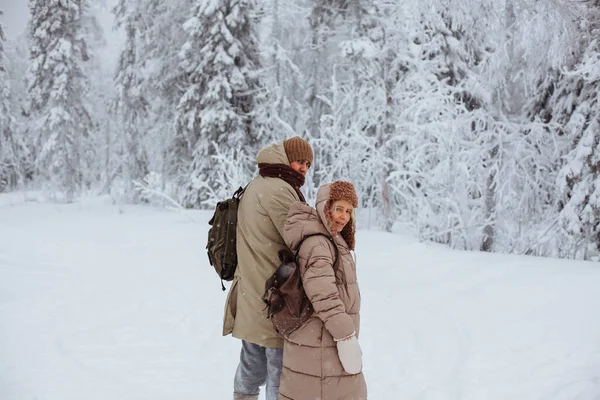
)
(238, 193)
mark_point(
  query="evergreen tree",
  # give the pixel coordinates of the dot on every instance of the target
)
(578, 182)
(280, 110)
(219, 60)
(130, 106)
(58, 90)
(8, 167)
(154, 37)
(15, 162)
(99, 74)
(162, 35)
(16, 64)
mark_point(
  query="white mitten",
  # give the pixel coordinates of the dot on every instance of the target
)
(350, 355)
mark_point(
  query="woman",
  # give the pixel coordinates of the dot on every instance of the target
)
(322, 359)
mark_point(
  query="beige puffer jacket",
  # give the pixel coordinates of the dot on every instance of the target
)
(261, 216)
(311, 366)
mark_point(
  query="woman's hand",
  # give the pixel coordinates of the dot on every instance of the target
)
(350, 355)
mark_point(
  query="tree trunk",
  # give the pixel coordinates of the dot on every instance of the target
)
(490, 204)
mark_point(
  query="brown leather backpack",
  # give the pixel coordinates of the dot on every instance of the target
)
(288, 307)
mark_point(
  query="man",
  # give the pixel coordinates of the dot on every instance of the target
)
(262, 213)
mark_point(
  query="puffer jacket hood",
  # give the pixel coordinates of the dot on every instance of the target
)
(272, 154)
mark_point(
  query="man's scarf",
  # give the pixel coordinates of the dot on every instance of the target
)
(285, 172)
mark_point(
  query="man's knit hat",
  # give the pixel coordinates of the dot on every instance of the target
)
(297, 149)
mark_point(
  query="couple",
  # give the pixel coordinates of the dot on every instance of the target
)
(321, 359)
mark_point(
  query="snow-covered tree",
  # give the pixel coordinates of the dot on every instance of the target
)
(162, 36)
(155, 34)
(58, 93)
(433, 83)
(577, 109)
(16, 63)
(532, 145)
(131, 105)
(8, 159)
(280, 108)
(325, 22)
(357, 133)
(472, 166)
(328, 28)
(99, 74)
(219, 60)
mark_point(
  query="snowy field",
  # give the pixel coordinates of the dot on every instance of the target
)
(102, 302)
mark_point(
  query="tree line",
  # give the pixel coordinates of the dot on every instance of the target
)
(474, 122)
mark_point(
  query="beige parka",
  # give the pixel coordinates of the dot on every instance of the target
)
(262, 214)
(311, 366)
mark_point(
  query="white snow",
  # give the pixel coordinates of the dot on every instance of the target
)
(100, 301)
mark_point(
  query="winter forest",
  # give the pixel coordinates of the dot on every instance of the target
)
(476, 123)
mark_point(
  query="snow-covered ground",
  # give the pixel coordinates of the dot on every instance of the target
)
(100, 302)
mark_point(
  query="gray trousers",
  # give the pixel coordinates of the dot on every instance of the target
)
(258, 366)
